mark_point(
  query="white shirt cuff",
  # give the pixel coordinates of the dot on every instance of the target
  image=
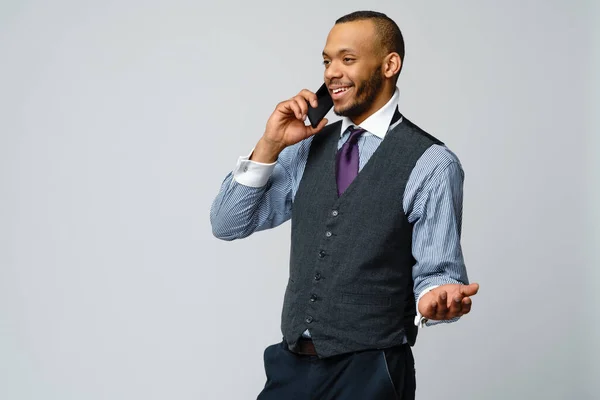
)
(419, 319)
(252, 173)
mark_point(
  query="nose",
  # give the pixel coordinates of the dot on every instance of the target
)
(333, 71)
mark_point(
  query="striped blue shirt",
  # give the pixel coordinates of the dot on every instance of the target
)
(257, 196)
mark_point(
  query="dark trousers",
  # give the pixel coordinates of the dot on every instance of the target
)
(374, 374)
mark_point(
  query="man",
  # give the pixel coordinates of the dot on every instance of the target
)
(376, 208)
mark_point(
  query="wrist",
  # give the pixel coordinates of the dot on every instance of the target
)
(266, 151)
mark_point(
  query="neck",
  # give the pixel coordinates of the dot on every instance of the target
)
(380, 101)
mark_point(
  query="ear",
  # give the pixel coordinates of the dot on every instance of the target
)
(391, 65)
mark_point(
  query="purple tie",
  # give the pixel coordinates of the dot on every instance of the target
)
(347, 160)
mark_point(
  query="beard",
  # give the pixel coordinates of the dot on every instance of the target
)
(366, 92)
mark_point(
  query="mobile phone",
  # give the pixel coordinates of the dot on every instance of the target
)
(325, 103)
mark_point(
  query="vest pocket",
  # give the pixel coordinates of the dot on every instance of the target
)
(365, 312)
(366, 300)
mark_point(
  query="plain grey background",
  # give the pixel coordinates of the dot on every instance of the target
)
(119, 120)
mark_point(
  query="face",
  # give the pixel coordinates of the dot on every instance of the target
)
(354, 70)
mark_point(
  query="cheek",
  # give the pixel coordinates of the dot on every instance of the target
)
(359, 76)
(354, 75)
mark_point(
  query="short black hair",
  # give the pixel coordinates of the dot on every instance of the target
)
(388, 32)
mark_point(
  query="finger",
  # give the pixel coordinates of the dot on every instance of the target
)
(321, 125)
(466, 305)
(442, 308)
(455, 306)
(293, 105)
(430, 310)
(425, 305)
(302, 104)
(469, 290)
(309, 96)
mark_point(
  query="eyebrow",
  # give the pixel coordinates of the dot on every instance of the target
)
(340, 51)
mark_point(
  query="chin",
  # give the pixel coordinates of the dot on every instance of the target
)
(342, 110)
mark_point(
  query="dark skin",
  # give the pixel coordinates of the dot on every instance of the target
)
(352, 55)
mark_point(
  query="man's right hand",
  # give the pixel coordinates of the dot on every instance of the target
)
(286, 127)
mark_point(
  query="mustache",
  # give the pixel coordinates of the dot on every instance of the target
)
(340, 83)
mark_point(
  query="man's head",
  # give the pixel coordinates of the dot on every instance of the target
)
(363, 58)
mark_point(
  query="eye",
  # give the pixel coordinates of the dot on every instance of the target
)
(326, 62)
(348, 59)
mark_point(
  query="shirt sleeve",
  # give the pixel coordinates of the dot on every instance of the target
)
(253, 197)
(252, 173)
(437, 217)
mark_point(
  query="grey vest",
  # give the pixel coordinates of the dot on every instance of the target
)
(351, 261)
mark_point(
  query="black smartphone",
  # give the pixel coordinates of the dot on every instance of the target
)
(315, 115)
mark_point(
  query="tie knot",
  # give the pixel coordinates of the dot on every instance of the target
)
(355, 132)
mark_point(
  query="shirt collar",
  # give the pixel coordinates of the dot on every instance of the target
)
(379, 122)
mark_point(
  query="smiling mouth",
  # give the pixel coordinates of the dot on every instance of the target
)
(339, 92)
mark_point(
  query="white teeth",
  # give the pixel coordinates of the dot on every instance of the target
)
(339, 90)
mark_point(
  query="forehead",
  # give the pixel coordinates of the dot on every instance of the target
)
(359, 36)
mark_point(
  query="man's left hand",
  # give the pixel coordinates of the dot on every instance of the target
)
(447, 301)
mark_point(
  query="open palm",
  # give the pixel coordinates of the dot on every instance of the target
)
(447, 301)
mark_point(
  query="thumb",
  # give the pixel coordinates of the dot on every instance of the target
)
(469, 290)
(316, 130)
